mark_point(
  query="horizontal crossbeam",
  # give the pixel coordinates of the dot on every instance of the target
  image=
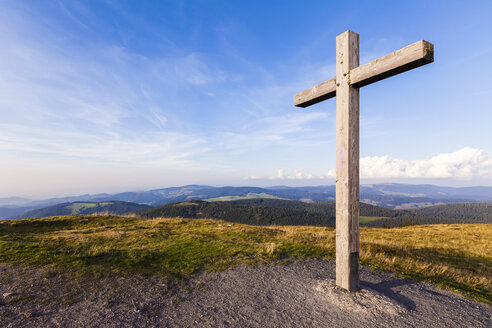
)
(405, 59)
(415, 55)
(314, 95)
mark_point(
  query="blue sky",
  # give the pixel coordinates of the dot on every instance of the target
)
(106, 96)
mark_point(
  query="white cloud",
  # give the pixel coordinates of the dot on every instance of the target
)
(296, 174)
(465, 163)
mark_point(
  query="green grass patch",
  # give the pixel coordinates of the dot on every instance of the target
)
(174, 247)
(78, 207)
(457, 257)
(248, 196)
(367, 219)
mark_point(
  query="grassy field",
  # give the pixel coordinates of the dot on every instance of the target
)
(78, 207)
(365, 219)
(248, 196)
(456, 257)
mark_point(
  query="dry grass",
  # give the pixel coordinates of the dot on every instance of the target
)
(457, 257)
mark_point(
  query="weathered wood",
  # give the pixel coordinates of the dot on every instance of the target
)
(314, 95)
(347, 166)
(345, 86)
(415, 55)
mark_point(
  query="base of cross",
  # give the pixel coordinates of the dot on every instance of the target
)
(345, 86)
(348, 277)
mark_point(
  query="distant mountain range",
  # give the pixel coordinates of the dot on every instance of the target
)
(389, 195)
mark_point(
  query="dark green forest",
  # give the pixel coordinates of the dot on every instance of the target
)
(255, 212)
(287, 212)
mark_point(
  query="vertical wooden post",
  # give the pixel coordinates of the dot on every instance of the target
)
(345, 86)
(347, 166)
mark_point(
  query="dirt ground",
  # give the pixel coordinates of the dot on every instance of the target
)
(300, 294)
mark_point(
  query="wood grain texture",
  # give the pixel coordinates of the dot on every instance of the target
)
(415, 55)
(345, 86)
(316, 94)
(347, 166)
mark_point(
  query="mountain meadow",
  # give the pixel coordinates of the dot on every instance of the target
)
(213, 229)
(457, 257)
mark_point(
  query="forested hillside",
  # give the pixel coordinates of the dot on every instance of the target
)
(84, 208)
(463, 211)
(261, 211)
(287, 212)
(256, 212)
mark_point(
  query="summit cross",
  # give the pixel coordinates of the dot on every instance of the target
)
(345, 86)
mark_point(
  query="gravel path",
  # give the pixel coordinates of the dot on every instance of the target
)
(300, 294)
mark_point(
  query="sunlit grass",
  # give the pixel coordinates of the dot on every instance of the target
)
(457, 257)
(248, 196)
(366, 219)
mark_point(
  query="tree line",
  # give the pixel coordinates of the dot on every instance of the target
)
(288, 212)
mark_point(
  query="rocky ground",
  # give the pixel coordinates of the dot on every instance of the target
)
(300, 294)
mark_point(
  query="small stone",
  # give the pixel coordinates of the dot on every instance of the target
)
(7, 294)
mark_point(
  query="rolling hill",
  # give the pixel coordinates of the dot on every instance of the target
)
(114, 207)
(288, 212)
(389, 195)
(450, 214)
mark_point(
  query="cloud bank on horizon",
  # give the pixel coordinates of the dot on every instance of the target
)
(466, 163)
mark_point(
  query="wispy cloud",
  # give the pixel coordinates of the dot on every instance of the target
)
(296, 174)
(96, 101)
(101, 101)
(194, 70)
(160, 149)
(191, 88)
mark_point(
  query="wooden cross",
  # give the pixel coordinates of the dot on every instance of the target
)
(345, 86)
